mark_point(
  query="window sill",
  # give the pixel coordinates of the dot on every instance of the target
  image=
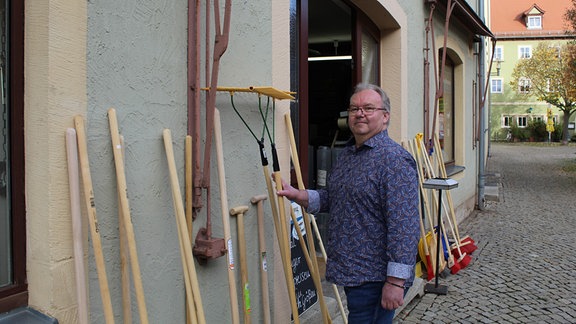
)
(454, 169)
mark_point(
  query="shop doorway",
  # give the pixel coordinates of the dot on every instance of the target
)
(340, 48)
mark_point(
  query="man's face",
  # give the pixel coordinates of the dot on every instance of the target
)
(363, 125)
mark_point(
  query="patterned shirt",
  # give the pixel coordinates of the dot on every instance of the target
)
(373, 199)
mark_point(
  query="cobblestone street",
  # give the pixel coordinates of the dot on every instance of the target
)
(523, 270)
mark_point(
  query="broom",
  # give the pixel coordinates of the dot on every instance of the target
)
(424, 244)
(464, 259)
(433, 239)
(466, 245)
(423, 249)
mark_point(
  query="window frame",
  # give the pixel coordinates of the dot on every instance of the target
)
(521, 52)
(534, 18)
(524, 119)
(499, 53)
(16, 295)
(524, 85)
(492, 84)
(448, 112)
(506, 120)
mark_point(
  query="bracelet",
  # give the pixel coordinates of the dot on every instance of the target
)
(395, 285)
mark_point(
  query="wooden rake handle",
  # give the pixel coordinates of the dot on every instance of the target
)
(313, 261)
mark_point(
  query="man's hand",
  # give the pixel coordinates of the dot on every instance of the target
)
(298, 196)
(392, 293)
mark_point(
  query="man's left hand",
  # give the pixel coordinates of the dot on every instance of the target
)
(392, 296)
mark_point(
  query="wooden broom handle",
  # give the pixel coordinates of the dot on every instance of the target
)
(312, 256)
(225, 218)
(93, 220)
(258, 200)
(125, 211)
(182, 227)
(74, 183)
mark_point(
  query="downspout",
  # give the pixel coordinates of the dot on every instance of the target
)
(484, 140)
(194, 28)
(481, 114)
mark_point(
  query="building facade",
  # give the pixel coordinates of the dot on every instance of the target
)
(153, 61)
(519, 27)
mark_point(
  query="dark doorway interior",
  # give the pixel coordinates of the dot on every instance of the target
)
(330, 66)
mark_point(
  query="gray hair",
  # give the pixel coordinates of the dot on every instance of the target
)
(368, 86)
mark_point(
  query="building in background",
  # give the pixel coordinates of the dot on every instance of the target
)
(519, 26)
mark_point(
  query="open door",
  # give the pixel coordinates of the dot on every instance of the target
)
(339, 47)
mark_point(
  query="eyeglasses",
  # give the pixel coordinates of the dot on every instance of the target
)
(365, 110)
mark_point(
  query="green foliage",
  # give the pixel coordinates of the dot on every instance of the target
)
(537, 129)
(502, 134)
(557, 134)
(518, 134)
(552, 74)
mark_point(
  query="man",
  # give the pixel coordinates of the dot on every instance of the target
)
(372, 197)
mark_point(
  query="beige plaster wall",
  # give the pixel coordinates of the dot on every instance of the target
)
(55, 90)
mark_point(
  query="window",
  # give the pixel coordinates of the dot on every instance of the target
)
(446, 115)
(509, 120)
(534, 22)
(524, 85)
(369, 58)
(538, 118)
(498, 53)
(506, 121)
(524, 52)
(5, 242)
(13, 287)
(496, 85)
(522, 121)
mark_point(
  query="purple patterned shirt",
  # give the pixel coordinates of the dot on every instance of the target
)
(372, 197)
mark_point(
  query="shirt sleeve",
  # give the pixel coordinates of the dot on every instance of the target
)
(402, 197)
(313, 201)
(318, 201)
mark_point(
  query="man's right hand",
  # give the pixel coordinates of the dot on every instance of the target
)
(298, 196)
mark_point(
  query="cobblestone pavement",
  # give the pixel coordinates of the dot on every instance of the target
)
(524, 268)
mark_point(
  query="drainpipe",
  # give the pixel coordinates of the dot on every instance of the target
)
(482, 130)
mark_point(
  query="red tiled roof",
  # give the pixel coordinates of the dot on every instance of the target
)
(508, 16)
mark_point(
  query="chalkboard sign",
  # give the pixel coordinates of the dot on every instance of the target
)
(306, 294)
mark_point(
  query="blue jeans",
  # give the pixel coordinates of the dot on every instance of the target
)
(364, 305)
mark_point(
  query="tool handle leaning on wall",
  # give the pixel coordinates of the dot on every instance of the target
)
(77, 230)
(259, 201)
(93, 219)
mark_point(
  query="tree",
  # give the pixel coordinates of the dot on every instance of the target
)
(551, 72)
(570, 16)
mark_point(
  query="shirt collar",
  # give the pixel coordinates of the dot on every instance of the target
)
(371, 142)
